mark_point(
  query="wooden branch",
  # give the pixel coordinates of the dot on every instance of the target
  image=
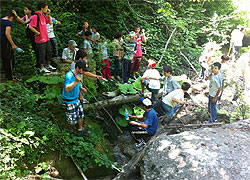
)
(121, 99)
(166, 45)
(189, 63)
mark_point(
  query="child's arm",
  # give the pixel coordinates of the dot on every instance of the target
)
(178, 101)
(20, 19)
(138, 124)
(217, 94)
(136, 117)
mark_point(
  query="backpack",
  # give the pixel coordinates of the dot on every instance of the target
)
(30, 34)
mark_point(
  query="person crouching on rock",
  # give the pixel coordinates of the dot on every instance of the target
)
(139, 130)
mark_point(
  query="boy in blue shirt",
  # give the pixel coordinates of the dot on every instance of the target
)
(138, 130)
(215, 87)
(71, 93)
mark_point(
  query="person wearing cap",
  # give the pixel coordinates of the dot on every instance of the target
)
(150, 79)
(139, 130)
(168, 104)
(69, 53)
(71, 96)
(236, 39)
(130, 48)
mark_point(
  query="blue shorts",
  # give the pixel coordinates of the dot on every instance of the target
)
(74, 112)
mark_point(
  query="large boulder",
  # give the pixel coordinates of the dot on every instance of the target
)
(207, 153)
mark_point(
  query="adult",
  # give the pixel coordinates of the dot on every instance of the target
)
(69, 53)
(139, 38)
(71, 93)
(139, 130)
(236, 39)
(25, 20)
(7, 45)
(38, 26)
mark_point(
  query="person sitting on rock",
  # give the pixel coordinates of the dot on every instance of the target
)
(69, 53)
(168, 104)
(139, 130)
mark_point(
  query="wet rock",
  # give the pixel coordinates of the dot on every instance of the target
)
(206, 153)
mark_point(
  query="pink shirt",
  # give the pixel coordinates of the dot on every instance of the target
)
(43, 37)
(138, 40)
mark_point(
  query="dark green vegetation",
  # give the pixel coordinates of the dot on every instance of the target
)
(32, 120)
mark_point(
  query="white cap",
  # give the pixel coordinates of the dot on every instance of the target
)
(146, 102)
(239, 26)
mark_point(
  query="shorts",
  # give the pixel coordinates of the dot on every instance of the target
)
(154, 91)
(74, 112)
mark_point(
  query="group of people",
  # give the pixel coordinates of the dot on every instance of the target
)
(83, 63)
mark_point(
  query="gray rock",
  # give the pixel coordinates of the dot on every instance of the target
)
(207, 154)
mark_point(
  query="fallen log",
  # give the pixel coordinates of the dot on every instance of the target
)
(121, 99)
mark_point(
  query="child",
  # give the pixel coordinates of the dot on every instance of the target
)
(103, 55)
(52, 36)
(85, 27)
(138, 56)
(130, 50)
(150, 79)
(168, 104)
(87, 46)
(215, 87)
(95, 37)
(139, 130)
(204, 61)
(223, 71)
(69, 53)
(117, 53)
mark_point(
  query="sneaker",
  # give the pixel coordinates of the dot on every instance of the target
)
(83, 132)
(134, 77)
(51, 67)
(44, 70)
(139, 145)
(207, 122)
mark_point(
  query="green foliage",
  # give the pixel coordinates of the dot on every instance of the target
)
(127, 88)
(28, 129)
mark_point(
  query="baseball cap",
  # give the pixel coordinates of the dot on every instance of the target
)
(146, 101)
(151, 63)
(132, 34)
(81, 64)
(72, 43)
(239, 26)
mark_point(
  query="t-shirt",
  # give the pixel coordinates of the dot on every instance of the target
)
(4, 23)
(117, 47)
(68, 54)
(103, 50)
(215, 84)
(43, 37)
(177, 94)
(223, 70)
(87, 46)
(95, 37)
(237, 37)
(138, 40)
(153, 84)
(50, 29)
(169, 85)
(130, 47)
(25, 18)
(151, 121)
(74, 93)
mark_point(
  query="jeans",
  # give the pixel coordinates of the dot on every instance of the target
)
(117, 66)
(126, 70)
(54, 46)
(212, 108)
(44, 52)
(163, 109)
(236, 51)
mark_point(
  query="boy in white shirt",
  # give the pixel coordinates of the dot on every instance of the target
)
(150, 79)
(215, 87)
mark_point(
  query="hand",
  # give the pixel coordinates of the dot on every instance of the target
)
(81, 98)
(183, 102)
(78, 79)
(38, 33)
(99, 77)
(14, 47)
(143, 31)
(83, 90)
(14, 12)
(214, 100)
